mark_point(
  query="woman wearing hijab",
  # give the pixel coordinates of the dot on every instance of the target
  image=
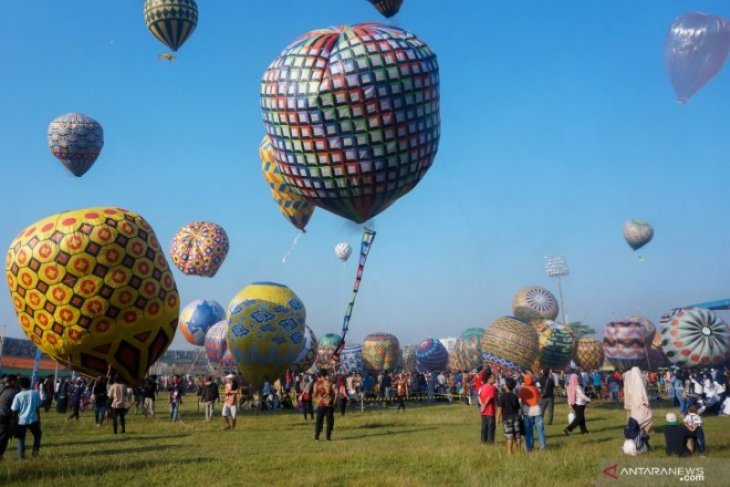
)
(578, 401)
(636, 400)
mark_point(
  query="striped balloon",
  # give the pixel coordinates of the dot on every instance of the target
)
(171, 21)
(431, 356)
(625, 342)
(387, 7)
(556, 345)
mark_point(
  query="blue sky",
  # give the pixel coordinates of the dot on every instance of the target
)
(558, 124)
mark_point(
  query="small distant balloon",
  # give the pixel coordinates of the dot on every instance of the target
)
(694, 52)
(171, 21)
(343, 251)
(387, 7)
(637, 233)
(76, 140)
(199, 249)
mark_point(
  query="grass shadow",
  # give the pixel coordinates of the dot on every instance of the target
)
(384, 433)
(128, 437)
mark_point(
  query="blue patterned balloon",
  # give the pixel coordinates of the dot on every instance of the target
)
(431, 356)
(351, 359)
(198, 317)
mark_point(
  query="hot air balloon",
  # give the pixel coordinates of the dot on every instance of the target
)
(467, 353)
(361, 128)
(76, 140)
(380, 352)
(509, 344)
(625, 342)
(199, 249)
(589, 354)
(535, 303)
(351, 360)
(694, 337)
(197, 317)
(387, 7)
(294, 208)
(326, 349)
(220, 358)
(431, 356)
(556, 343)
(171, 21)
(305, 359)
(265, 330)
(694, 52)
(637, 233)
(93, 291)
(343, 251)
(408, 358)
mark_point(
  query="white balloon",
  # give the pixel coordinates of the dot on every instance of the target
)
(343, 251)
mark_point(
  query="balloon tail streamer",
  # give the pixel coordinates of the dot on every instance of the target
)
(293, 246)
(367, 241)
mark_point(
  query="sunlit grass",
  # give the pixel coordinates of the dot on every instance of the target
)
(427, 445)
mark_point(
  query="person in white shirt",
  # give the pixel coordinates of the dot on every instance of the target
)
(693, 422)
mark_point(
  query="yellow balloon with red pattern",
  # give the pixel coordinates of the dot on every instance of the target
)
(93, 290)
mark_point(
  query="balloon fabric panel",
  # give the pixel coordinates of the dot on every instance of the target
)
(353, 116)
(92, 289)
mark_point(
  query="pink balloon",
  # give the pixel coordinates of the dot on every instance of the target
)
(694, 52)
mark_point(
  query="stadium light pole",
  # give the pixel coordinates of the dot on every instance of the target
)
(558, 267)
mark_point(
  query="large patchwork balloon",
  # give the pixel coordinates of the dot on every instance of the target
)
(219, 356)
(694, 51)
(509, 344)
(467, 353)
(589, 354)
(431, 356)
(92, 289)
(694, 337)
(197, 317)
(387, 7)
(535, 303)
(353, 116)
(625, 342)
(171, 21)
(76, 140)
(305, 359)
(266, 330)
(637, 233)
(557, 344)
(294, 208)
(326, 349)
(380, 352)
(351, 359)
(199, 249)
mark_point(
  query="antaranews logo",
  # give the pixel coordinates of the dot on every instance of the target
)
(610, 471)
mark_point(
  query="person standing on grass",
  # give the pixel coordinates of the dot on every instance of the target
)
(325, 395)
(75, 398)
(27, 403)
(636, 399)
(230, 402)
(487, 399)
(101, 400)
(577, 400)
(116, 394)
(693, 422)
(209, 395)
(342, 394)
(531, 412)
(150, 394)
(9, 391)
(547, 395)
(401, 391)
(306, 396)
(175, 398)
(508, 411)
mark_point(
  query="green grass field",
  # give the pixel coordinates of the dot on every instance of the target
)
(427, 445)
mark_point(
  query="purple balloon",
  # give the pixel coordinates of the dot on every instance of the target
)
(694, 51)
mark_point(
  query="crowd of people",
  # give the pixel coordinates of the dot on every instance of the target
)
(522, 403)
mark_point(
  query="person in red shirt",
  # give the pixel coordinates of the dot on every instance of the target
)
(487, 400)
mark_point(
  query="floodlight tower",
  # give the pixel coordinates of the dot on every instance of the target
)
(558, 267)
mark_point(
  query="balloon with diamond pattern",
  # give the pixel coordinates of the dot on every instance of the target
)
(199, 249)
(509, 344)
(92, 289)
(380, 352)
(353, 116)
(589, 354)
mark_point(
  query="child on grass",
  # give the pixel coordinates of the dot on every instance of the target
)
(509, 413)
(693, 422)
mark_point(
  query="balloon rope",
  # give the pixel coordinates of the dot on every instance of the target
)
(367, 240)
(293, 246)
